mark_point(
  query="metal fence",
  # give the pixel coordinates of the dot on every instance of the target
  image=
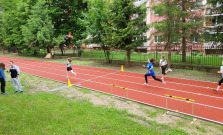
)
(195, 55)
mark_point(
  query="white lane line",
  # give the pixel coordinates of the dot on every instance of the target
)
(133, 82)
(160, 95)
(165, 88)
(128, 75)
(128, 89)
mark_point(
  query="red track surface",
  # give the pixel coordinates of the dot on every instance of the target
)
(208, 104)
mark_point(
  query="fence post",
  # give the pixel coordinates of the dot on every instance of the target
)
(111, 88)
(156, 52)
(191, 55)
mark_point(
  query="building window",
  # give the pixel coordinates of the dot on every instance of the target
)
(154, 13)
(157, 39)
(156, 25)
(144, 38)
(195, 20)
(142, 25)
(195, 39)
(176, 41)
(197, 6)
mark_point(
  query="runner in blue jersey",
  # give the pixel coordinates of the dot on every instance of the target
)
(221, 81)
(151, 72)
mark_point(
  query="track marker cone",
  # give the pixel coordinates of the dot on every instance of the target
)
(69, 84)
(122, 69)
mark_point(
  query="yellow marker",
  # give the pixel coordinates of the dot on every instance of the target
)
(199, 93)
(69, 84)
(188, 102)
(122, 69)
(207, 87)
(176, 110)
(194, 119)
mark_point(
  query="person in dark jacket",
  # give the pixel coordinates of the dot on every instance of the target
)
(15, 76)
(2, 78)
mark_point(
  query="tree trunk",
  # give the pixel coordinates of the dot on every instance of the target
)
(128, 58)
(79, 51)
(169, 57)
(61, 49)
(107, 55)
(49, 51)
(3, 52)
(183, 33)
(184, 49)
(35, 52)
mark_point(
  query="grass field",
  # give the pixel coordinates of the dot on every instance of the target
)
(46, 113)
(214, 60)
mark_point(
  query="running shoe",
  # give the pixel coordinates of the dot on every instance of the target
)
(164, 82)
(16, 92)
(215, 90)
(22, 92)
(170, 70)
(146, 83)
(4, 94)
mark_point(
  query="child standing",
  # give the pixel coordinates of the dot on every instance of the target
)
(15, 76)
(69, 68)
(2, 78)
(221, 81)
(151, 72)
(163, 64)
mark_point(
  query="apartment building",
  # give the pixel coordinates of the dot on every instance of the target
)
(201, 7)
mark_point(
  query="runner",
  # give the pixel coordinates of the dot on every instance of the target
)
(221, 81)
(150, 71)
(69, 68)
(163, 64)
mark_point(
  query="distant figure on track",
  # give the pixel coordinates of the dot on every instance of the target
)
(221, 81)
(2, 78)
(150, 71)
(69, 68)
(163, 64)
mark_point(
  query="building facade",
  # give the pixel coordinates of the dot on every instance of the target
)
(202, 8)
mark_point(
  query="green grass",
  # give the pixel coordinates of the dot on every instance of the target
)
(201, 129)
(211, 60)
(46, 113)
(176, 59)
(152, 113)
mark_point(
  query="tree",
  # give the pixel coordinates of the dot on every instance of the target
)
(213, 31)
(14, 14)
(1, 33)
(65, 15)
(126, 26)
(93, 19)
(38, 32)
(167, 28)
(190, 22)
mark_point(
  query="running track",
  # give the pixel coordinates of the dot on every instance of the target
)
(208, 104)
